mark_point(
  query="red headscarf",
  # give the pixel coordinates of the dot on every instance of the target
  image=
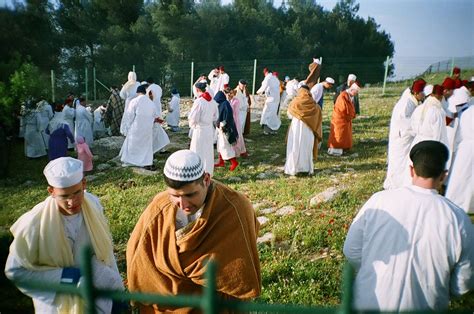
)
(438, 90)
(448, 83)
(418, 86)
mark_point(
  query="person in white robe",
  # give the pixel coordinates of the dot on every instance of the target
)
(222, 80)
(160, 138)
(243, 97)
(202, 117)
(172, 118)
(35, 146)
(460, 187)
(270, 121)
(456, 104)
(411, 247)
(84, 121)
(210, 89)
(317, 92)
(137, 149)
(48, 240)
(45, 115)
(291, 89)
(128, 92)
(98, 127)
(213, 80)
(401, 135)
(70, 117)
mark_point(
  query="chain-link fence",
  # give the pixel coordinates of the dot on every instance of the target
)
(448, 65)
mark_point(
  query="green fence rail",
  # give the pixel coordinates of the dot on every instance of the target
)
(209, 302)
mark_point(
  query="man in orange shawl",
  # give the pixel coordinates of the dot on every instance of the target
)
(340, 136)
(304, 134)
(195, 220)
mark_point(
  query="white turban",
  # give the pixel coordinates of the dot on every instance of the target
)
(351, 77)
(428, 90)
(63, 172)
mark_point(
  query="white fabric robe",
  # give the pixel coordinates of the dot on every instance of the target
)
(317, 92)
(411, 249)
(271, 88)
(223, 146)
(172, 118)
(45, 115)
(460, 183)
(76, 231)
(222, 80)
(99, 125)
(84, 121)
(128, 93)
(69, 116)
(157, 92)
(202, 117)
(213, 79)
(399, 142)
(428, 122)
(137, 149)
(299, 149)
(243, 108)
(35, 146)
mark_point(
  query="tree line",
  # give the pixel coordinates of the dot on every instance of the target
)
(160, 36)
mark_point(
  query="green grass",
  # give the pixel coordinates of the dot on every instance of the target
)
(304, 262)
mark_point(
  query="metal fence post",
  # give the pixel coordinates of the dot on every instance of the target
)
(347, 296)
(95, 86)
(192, 78)
(385, 75)
(53, 94)
(86, 83)
(254, 75)
(133, 68)
(86, 283)
(452, 66)
(209, 300)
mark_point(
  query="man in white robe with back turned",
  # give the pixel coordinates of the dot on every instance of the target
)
(160, 138)
(401, 135)
(270, 120)
(137, 149)
(411, 247)
(243, 96)
(128, 92)
(84, 121)
(48, 240)
(202, 117)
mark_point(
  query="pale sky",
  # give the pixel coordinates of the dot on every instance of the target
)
(423, 31)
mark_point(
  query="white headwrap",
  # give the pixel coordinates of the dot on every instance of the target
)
(132, 79)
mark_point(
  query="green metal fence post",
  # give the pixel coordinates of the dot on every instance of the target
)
(86, 282)
(86, 84)
(347, 294)
(53, 94)
(95, 85)
(387, 62)
(254, 75)
(209, 300)
(452, 66)
(192, 78)
(133, 68)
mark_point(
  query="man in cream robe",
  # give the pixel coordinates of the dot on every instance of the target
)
(243, 96)
(137, 149)
(401, 135)
(128, 92)
(48, 240)
(270, 120)
(202, 117)
(160, 138)
(305, 133)
(84, 121)
(195, 220)
(411, 247)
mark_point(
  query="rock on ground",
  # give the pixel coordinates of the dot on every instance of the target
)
(262, 220)
(324, 196)
(267, 237)
(287, 210)
(107, 147)
(267, 211)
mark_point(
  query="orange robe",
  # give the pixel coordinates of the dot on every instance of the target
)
(160, 261)
(341, 122)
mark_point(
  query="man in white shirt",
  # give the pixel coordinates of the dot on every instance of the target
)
(412, 247)
(48, 240)
(317, 92)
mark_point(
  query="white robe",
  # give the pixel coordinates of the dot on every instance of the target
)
(399, 142)
(172, 118)
(84, 122)
(243, 108)
(45, 115)
(99, 125)
(137, 149)
(299, 149)
(128, 93)
(69, 117)
(202, 117)
(76, 232)
(213, 79)
(271, 88)
(317, 92)
(411, 249)
(222, 80)
(35, 146)
(460, 183)
(157, 92)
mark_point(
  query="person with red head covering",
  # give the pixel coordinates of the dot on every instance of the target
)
(401, 135)
(457, 77)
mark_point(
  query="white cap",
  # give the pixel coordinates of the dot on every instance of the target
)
(460, 96)
(63, 172)
(351, 77)
(329, 80)
(428, 90)
(183, 165)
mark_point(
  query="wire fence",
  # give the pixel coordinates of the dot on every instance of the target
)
(448, 65)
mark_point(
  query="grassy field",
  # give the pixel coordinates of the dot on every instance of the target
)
(303, 262)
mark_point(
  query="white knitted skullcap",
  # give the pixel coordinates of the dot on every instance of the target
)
(63, 172)
(183, 165)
